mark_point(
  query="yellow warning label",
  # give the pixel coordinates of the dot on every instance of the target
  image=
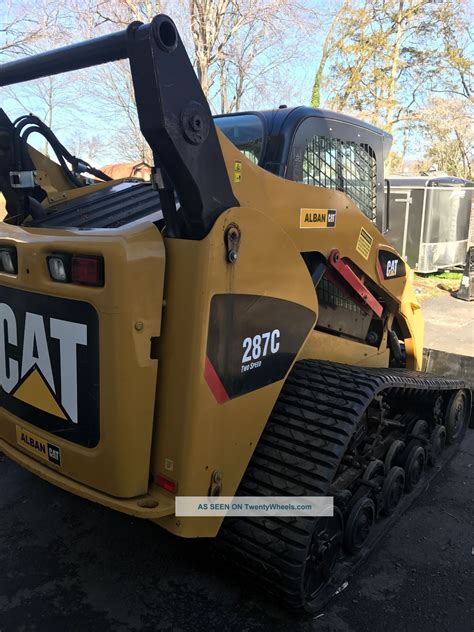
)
(364, 243)
(237, 171)
(35, 392)
(317, 218)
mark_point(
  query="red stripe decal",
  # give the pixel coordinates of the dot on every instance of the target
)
(214, 382)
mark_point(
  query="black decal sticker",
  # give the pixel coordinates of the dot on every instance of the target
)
(49, 365)
(54, 454)
(252, 342)
(390, 265)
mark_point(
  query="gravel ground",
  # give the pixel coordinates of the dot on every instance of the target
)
(69, 565)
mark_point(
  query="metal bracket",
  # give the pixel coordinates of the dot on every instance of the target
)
(22, 179)
(353, 280)
(215, 488)
(232, 242)
(174, 115)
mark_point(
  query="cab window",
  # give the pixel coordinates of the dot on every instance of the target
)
(245, 131)
(335, 163)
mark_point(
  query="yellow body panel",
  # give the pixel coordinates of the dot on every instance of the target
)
(135, 263)
(157, 413)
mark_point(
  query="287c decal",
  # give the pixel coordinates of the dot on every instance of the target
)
(252, 341)
(259, 346)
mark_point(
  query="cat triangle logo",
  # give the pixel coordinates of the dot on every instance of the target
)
(35, 391)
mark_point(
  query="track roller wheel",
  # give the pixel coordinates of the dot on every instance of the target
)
(456, 417)
(437, 444)
(375, 468)
(414, 464)
(393, 456)
(392, 490)
(420, 429)
(359, 524)
(322, 555)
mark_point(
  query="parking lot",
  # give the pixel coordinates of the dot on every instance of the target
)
(71, 565)
(68, 564)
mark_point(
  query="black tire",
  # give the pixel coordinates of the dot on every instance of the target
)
(456, 417)
(414, 465)
(437, 445)
(375, 468)
(322, 555)
(359, 524)
(394, 454)
(392, 490)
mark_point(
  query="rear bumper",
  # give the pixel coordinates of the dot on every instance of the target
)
(151, 506)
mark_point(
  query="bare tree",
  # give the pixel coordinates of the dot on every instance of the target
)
(456, 20)
(237, 46)
(448, 126)
(45, 98)
(22, 26)
(256, 64)
(331, 41)
(88, 147)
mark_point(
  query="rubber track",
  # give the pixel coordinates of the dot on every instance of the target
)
(299, 453)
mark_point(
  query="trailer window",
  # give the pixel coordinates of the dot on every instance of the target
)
(245, 131)
(343, 165)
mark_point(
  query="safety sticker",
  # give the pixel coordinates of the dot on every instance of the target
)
(364, 243)
(317, 218)
(43, 449)
(237, 171)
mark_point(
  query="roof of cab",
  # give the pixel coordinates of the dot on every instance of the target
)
(276, 117)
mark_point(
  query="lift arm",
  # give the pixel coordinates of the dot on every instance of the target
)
(173, 112)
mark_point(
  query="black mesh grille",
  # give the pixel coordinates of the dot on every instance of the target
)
(332, 296)
(345, 166)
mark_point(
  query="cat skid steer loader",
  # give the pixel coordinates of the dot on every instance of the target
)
(237, 326)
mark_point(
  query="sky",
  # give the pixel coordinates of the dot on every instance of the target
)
(79, 116)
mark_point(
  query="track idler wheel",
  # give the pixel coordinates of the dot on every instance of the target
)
(437, 444)
(414, 464)
(456, 417)
(392, 490)
(322, 554)
(359, 524)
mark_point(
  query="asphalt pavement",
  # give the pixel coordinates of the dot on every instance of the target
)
(449, 324)
(69, 565)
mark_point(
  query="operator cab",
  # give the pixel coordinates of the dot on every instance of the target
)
(318, 147)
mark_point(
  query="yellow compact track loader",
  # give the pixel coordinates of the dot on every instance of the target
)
(237, 326)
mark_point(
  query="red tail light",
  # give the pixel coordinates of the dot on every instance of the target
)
(87, 270)
(166, 483)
